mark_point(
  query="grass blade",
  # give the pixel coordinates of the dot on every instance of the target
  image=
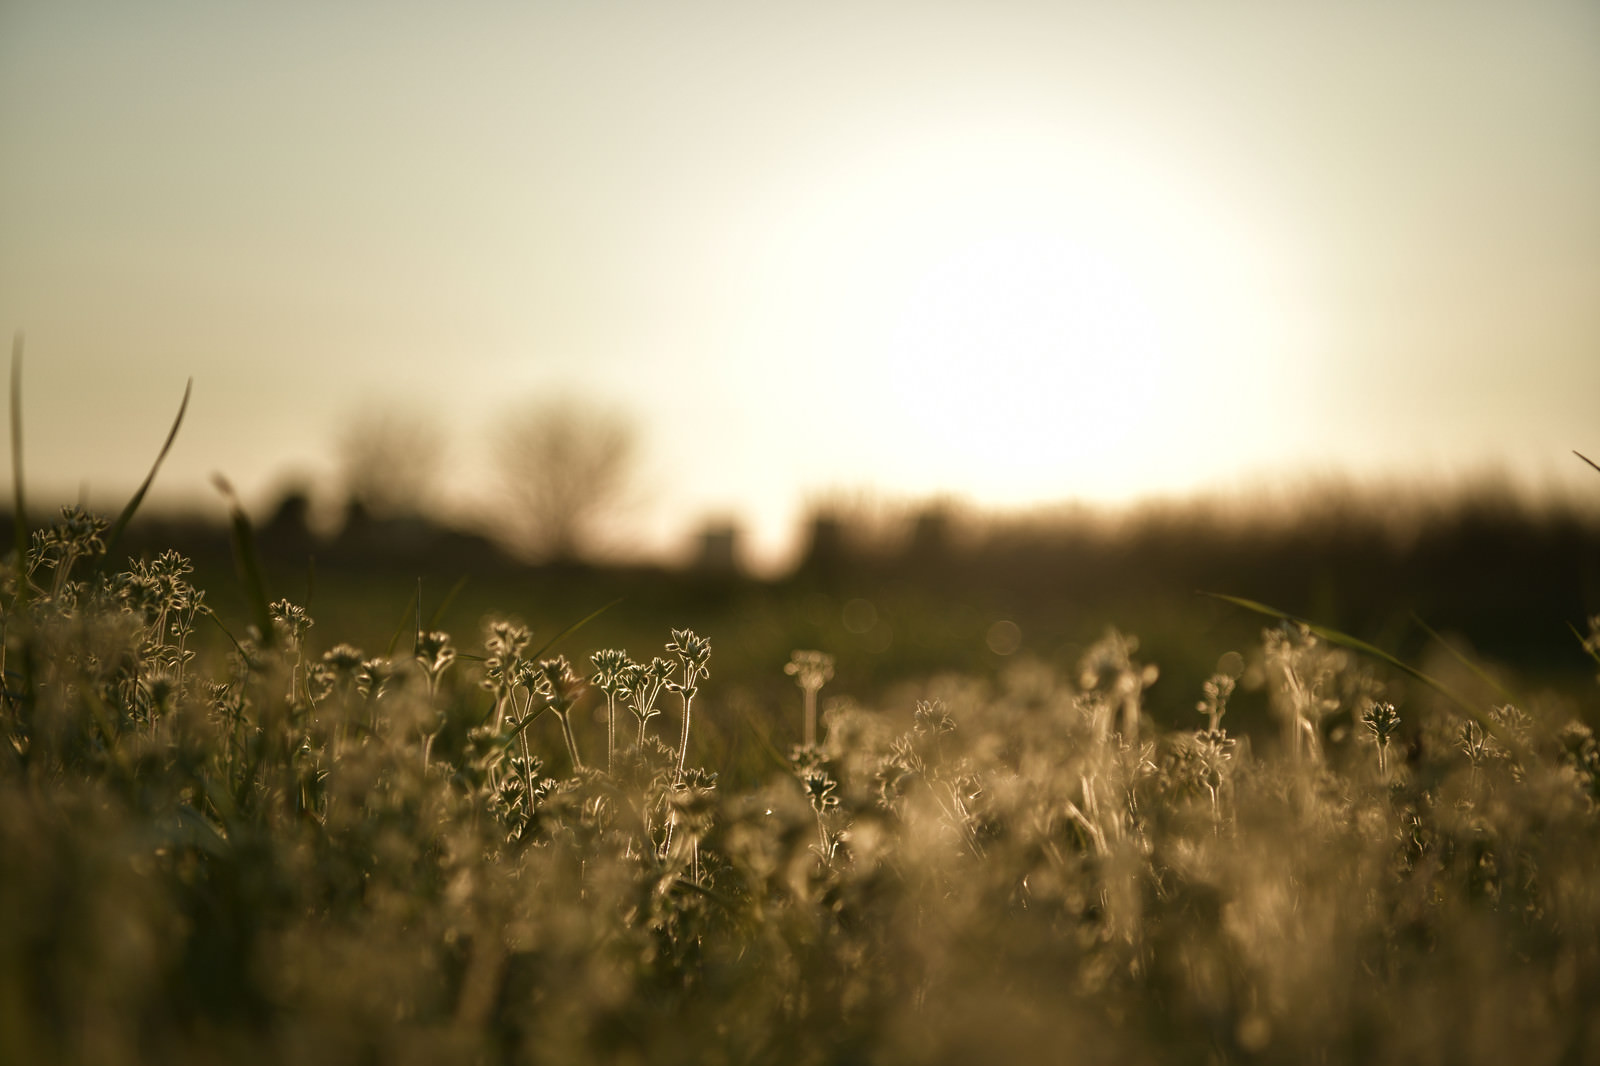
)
(405, 618)
(1345, 640)
(225, 631)
(1477, 671)
(248, 561)
(444, 604)
(18, 617)
(764, 738)
(19, 518)
(574, 627)
(138, 497)
(1586, 459)
(1583, 641)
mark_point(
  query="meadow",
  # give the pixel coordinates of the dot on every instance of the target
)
(238, 831)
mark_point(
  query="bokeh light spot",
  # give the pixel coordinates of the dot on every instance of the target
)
(1004, 637)
(859, 616)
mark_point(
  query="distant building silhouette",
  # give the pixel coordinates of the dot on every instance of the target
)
(825, 546)
(288, 531)
(930, 537)
(356, 532)
(717, 550)
(368, 538)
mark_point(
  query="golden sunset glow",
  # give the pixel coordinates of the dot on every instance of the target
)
(1013, 254)
(1033, 313)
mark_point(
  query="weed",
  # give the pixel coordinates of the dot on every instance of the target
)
(231, 850)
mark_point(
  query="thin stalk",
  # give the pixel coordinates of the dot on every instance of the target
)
(683, 741)
(572, 742)
(138, 497)
(20, 512)
(427, 738)
(690, 676)
(611, 727)
(1130, 718)
(644, 704)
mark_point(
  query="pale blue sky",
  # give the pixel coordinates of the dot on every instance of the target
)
(1011, 251)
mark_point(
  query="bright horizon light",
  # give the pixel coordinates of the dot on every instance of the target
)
(1037, 314)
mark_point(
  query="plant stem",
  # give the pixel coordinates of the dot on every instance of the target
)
(690, 676)
(572, 741)
(611, 728)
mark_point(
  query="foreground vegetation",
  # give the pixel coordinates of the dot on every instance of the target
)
(480, 851)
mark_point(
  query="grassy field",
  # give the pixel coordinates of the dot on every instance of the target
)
(305, 838)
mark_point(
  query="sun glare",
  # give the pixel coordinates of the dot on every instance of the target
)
(1019, 322)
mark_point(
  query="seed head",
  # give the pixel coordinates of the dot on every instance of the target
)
(375, 675)
(79, 533)
(562, 685)
(1382, 721)
(290, 621)
(434, 652)
(343, 659)
(610, 666)
(506, 640)
(810, 669)
(819, 790)
(695, 651)
(932, 718)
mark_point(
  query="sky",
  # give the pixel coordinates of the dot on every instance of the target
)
(1013, 253)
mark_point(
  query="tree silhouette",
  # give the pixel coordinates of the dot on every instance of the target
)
(566, 466)
(390, 459)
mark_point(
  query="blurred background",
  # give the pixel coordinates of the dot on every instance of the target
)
(934, 333)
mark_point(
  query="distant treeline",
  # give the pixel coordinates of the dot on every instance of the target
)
(1508, 572)
(1511, 575)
